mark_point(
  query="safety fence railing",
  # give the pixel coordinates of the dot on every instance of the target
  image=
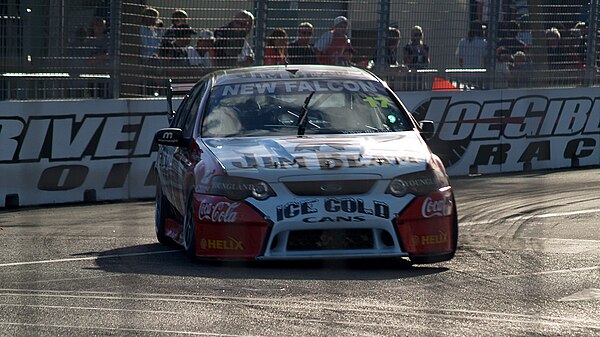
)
(45, 86)
(107, 49)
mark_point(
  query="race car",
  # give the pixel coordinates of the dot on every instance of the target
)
(301, 162)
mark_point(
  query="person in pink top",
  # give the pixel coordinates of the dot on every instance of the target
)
(276, 51)
(334, 47)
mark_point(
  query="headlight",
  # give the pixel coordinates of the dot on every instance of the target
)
(237, 188)
(418, 183)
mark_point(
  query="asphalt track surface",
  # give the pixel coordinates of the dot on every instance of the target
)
(528, 265)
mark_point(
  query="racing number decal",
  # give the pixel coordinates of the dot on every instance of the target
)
(375, 102)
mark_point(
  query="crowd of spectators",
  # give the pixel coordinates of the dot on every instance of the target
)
(526, 51)
(228, 46)
(517, 51)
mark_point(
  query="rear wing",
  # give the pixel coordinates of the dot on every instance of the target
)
(174, 89)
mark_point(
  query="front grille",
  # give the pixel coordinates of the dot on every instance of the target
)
(331, 187)
(330, 239)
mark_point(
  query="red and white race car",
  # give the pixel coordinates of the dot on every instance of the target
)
(301, 162)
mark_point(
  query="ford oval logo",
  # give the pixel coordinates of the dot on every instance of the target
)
(332, 187)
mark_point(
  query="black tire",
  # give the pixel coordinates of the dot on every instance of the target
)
(161, 213)
(442, 257)
(189, 229)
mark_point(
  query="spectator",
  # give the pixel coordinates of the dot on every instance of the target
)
(524, 34)
(300, 51)
(231, 47)
(576, 45)
(176, 39)
(471, 51)
(205, 48)
(556, 51)
(521, 70)
(150, 34)
(333, 47)
(507, 37)
(391, 57)
(416, 52)
(561, 59)
(178, 52)
(276, 49)
(503, 66)
(347, 54)
(178, 19)
(98, 45)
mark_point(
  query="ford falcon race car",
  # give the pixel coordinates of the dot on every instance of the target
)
(301, 162)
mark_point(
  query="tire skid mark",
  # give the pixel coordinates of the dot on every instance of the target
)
(308, 305)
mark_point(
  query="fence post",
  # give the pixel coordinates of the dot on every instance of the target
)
(261, 31)
(114, 52)
(592, 43)
(492, 35)
(383, 12)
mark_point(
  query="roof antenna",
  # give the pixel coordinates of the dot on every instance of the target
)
(292, 71)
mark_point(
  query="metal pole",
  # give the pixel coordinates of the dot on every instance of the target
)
(261, 31)
(114, 52)
(492, 35)
(382, 33)
(592, 43)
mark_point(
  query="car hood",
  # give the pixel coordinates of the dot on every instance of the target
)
(270, 158)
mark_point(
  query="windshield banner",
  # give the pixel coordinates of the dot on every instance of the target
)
(302, 86)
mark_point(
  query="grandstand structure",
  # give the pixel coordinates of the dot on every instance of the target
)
(45, 51)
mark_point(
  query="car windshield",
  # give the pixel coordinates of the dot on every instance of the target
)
(275, 109)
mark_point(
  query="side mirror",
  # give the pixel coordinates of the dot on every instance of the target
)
(427, 129)
(170, 111)
(170, 137)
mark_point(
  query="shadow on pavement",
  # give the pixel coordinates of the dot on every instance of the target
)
(156, 259)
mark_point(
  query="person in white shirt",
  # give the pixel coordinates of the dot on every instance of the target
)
(472, 51)
(205, 48)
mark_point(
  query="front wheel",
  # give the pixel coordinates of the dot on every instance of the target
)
(189, 229)
(161, 211)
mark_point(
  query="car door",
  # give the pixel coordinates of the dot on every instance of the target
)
(182, 163)
(166, 154)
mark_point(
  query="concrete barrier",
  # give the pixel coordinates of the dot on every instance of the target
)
(95, 150)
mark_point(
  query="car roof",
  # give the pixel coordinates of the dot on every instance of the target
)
(289, 72)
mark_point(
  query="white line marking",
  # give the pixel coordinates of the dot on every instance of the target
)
(67, 279)
(547, 272)
(527, 217)
(41, 306)
(587, 211)
(120, 329)
(84, 258)
(304, 305)
(584, 295)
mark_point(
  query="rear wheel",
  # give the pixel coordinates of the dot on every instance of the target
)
(189, 229)
(161, 212)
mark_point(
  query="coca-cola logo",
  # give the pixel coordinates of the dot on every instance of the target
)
(220, 212)
(433, 207)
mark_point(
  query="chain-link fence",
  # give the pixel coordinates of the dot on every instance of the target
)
(59, 49)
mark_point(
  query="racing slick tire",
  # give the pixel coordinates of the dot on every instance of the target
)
(441, 257)
(189, 229)
(161, 213)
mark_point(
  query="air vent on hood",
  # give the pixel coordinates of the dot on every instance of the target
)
(331, 187)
